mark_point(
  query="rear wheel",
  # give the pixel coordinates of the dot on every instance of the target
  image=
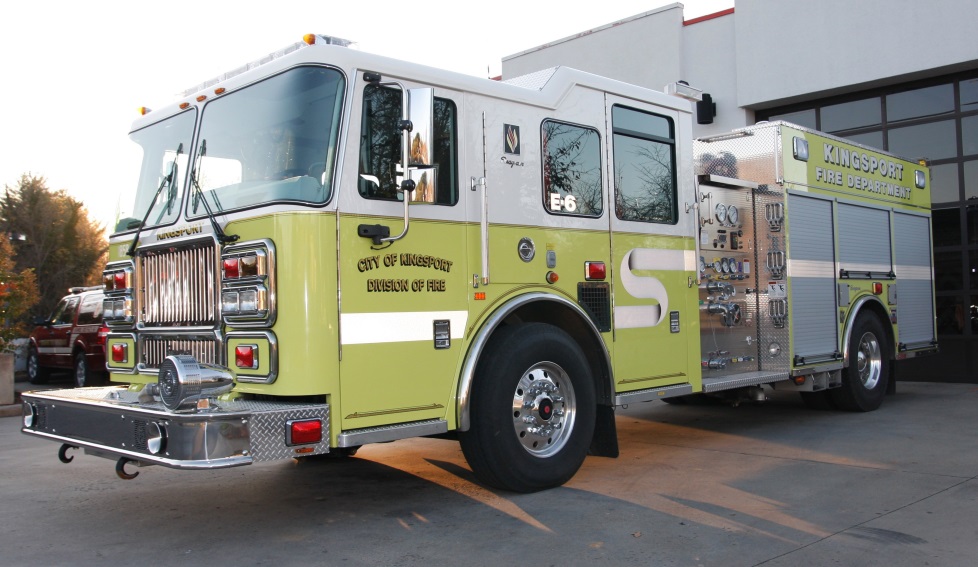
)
(83, 375)
(864, 381)
(35, 372)
(532, 410)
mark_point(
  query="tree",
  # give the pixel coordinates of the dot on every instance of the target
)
(54, 237)
(18, 293)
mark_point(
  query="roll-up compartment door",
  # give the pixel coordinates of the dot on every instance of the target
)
(811, 275)
(915, 306)
(864, 240)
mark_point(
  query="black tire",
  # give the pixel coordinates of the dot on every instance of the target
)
(865, 380)
(532, 410)
(36, 373)
(821, 400)
(83, 375)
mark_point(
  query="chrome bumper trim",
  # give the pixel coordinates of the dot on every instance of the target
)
(111, 422)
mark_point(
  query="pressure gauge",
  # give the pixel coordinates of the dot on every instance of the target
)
(724, 266)
(721, 212)
(717, 266)
(732, 214)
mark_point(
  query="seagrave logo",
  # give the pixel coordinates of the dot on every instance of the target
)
(512, 134)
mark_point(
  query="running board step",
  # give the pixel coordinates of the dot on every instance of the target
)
(742, 380)
(384, 433)
(650, 394)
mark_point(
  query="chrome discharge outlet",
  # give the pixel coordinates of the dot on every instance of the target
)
(182, 381)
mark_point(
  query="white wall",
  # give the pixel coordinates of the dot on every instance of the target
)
(710, 64)
(800, 49)
(642, 50)
(772, 52)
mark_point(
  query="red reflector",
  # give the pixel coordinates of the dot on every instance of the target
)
(230, 268)
(877, 288)
(103, 332)
(119, 353)
(244, 356)
(303, 432)
(595, 270)
(120, 280)
(480, 296)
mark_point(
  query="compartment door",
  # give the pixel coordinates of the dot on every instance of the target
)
(812, 279)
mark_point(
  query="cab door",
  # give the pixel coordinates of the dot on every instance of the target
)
(654, 314)
(404, 301)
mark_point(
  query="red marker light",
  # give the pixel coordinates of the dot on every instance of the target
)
(552, 277)
(595, 271)
(230, 268)
(304, 432)
(877, 288)
(120, 353)
(244, 356)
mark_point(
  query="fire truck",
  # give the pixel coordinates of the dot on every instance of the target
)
(328, 248)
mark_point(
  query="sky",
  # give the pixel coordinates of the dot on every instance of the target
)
(73, 74)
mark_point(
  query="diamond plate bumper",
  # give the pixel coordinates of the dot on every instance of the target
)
(111, 422)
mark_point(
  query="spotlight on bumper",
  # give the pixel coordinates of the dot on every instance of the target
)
(183, 381)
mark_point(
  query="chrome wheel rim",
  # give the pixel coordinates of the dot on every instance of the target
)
(544, 409)
(869, 361)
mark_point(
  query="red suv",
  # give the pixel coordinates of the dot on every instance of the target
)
(72, 338)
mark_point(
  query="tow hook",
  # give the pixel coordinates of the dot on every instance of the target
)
(63, 453)
(120, 469)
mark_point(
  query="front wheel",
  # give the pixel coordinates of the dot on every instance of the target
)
(864, 381)
(532, 410)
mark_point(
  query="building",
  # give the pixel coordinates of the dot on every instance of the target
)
(901, 75)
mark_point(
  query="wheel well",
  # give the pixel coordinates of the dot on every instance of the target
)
(874, 309)
(572, 323)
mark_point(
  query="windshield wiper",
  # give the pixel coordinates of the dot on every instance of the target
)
(168, 180)
(221, 236)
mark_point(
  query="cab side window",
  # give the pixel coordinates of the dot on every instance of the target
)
(90, 312)
(571, 169)
(644, 146)
(66, 311)
(380, 146)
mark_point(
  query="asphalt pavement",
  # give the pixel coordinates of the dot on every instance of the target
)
(771, 484)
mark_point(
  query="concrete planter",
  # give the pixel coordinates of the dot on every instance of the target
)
(6, 378)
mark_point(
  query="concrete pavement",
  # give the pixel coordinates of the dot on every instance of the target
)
(770, 484)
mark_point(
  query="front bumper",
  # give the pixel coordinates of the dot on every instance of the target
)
(111, 422)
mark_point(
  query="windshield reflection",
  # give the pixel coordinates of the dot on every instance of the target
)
(160, 144)
(272, 141)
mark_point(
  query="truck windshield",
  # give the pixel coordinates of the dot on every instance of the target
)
(164, 151)
(273, 141)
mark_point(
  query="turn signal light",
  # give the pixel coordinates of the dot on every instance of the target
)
(305, 432)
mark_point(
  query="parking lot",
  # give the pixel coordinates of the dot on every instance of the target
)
(759, 484)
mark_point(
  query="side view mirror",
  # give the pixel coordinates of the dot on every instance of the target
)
(421, 169)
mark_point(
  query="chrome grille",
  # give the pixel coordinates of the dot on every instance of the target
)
(155, 349)
(179, 286)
